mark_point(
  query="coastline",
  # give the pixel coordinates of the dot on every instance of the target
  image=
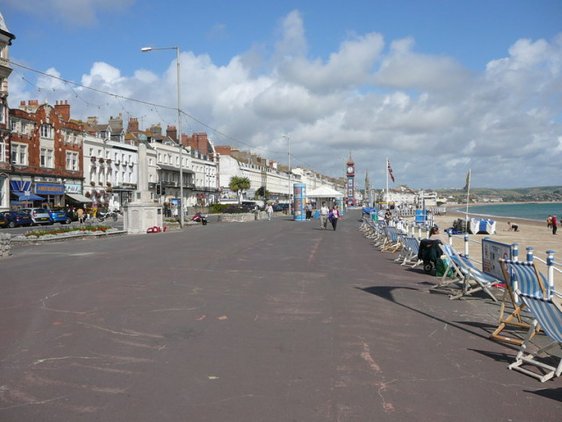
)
(461, 209)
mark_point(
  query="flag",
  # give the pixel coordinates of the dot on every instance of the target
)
(467, 183)
(390, 170)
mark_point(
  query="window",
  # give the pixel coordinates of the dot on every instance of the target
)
(46, 158)
(3, 110)
(47, 131)
(2, 151)
(71, 160)
(19, 154)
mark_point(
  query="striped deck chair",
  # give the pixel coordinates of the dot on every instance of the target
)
(524, 277)
(474, 279)
(453, 274)
(411, 248)
(549, 317)
(392, 243)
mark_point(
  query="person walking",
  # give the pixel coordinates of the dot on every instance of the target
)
(269, 211)
(80, 214)
(324, 211)
(334, 216)
(554, 224)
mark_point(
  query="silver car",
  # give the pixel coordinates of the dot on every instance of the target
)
(39, 215)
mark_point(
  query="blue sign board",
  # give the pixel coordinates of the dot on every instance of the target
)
(49, 189)
(491, 252)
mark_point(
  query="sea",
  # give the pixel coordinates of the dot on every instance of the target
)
(528, 210)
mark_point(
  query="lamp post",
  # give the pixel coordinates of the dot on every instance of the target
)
(289, 153)
(178, 129)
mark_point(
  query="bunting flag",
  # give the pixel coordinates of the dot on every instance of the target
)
(467, 183)
(390, 171)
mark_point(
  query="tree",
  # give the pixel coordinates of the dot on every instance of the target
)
(262, 192)
(239, 185)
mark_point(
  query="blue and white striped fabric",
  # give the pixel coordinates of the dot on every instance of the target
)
(526, 276)
(412, 244)
(546, 313)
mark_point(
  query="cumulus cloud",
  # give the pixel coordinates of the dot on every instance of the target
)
(434, 118)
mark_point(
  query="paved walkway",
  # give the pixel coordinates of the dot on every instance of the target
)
(260, 321)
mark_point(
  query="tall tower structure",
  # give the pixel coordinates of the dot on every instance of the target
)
(350, 174)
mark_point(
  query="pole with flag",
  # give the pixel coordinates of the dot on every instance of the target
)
(388, 173)
(467, 190)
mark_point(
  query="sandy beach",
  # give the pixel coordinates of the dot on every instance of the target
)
(531, 233)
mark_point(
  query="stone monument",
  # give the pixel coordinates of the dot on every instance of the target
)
(142, 212)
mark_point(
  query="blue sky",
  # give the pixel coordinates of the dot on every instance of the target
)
(437, 86)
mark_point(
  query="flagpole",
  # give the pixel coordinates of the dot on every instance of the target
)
(467, 197)
(386, 171)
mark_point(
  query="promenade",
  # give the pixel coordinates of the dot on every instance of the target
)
(257, 321)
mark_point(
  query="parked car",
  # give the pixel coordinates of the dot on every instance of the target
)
(60, 216)
(280, 207)
(39, 215)
(13, 219)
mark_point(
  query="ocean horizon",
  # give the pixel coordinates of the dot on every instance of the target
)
(537, 211)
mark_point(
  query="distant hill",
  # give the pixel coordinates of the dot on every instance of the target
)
(533, 194)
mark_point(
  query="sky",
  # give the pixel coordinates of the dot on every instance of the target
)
(439, 87)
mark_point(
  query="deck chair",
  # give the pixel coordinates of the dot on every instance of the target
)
(524, 277)
(392, 241)
(453, 277)
(549, 317)
(474, 280)
(411, 250)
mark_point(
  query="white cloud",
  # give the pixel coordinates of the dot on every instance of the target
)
(429, 114)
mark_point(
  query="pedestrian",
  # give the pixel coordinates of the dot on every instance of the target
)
(334, 216)
(269, 211)
(80, 214)
(324, 211)
(549, 221)
(554, 224)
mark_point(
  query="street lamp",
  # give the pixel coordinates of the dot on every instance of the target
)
(178, 130)
(290, 193)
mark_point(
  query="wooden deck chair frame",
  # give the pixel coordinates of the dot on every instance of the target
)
(474, 280)
(549, 317)
(411, 248)
(395, 243)
(535, 287)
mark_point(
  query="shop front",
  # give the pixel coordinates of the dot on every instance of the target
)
(52, 192)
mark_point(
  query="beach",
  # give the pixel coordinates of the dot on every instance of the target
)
(531, 233)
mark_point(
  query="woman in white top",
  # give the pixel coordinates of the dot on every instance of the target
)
(324, 211)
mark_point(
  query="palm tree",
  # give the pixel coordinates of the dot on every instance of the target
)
(238, 185)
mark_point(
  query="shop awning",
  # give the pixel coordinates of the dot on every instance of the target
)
(22, 196)
(78, 197)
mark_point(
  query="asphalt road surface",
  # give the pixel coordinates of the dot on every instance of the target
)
(260, 321)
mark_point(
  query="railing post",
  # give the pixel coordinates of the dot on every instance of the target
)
(466, 251)
(550, 266)
(530, 254)
(515, 251)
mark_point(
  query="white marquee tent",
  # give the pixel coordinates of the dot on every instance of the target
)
(324, 192)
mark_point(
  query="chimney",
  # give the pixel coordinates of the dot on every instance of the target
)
(171, 132)
(63, 108)
(133, 126)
